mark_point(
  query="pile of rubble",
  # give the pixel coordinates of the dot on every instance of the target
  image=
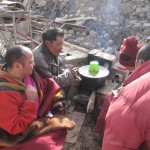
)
(93, 24)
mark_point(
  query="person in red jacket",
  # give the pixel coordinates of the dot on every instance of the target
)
(26, 106)
(128, 52)
(127, 58)
(127, 119)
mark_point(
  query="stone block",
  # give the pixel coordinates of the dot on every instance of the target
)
(117, 69)
(76, 60)
(102, 58)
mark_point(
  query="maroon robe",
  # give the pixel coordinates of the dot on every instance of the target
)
(53, 140)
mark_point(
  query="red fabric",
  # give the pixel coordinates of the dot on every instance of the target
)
(15, 113)
(50, 141)
(138, 72)
(49, 88)
(142, 69)
(27, 111)
(127, 120)
(130, 47)
(100, 125)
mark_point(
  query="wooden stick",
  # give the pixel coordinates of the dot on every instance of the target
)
(14, 27)
(28, 38)
(90, 106)
(74, 19)
(24, 42)
(53, 12)
(68, 25)
(37, 28)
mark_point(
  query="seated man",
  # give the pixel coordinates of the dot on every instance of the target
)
(127, 119)
(27, 119)
(48, 63)
(127, 58)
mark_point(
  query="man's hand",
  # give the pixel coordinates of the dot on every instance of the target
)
(73, 71)
(30, 93)
(77, 80)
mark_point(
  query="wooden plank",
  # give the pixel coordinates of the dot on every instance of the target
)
(6, 25)
(73, 52)
(75, 19)
(72, 135)
(53, 12)
(90, 106)
(40, 23)
(75, 47)
(11, 3)
(106, 56)
(36, 42)
(56, 23)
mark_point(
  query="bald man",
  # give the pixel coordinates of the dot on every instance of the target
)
(26, 102)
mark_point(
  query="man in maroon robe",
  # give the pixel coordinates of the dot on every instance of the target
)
(27, 120)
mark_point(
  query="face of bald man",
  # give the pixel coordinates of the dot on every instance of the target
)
(28, 62)
(26, 65)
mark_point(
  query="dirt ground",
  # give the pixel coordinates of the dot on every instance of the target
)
(87, 139)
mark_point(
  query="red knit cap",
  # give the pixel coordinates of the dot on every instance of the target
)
(130, 48)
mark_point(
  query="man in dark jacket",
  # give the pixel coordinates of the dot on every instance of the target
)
(48, 63)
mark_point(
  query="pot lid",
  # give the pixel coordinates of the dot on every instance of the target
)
(84, 71)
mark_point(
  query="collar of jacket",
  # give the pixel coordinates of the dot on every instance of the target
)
(21, 85)
(47, 53)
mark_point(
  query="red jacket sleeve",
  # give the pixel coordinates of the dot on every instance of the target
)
(15, 113)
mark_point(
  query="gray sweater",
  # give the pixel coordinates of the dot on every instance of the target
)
(48, 65)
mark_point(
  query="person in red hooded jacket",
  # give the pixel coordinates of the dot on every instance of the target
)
(127, 58)
(127, 119)
(128, 52)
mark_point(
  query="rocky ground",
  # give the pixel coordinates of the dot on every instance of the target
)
(87, 139)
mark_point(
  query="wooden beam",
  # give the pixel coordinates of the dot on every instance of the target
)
(74, 19)
(68, 25)
(6, 25)
(76, 47)
(90, 106)
(34, 41)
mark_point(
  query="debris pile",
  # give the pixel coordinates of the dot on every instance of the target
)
(93, 24)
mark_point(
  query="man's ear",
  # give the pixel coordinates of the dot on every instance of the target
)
(141, 61)
(18, 65)
(47, 42)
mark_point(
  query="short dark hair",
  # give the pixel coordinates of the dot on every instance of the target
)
(144, 52)
(14, 54)
(51, 34)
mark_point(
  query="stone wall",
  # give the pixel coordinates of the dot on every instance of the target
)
(131, 14)
(115, 20)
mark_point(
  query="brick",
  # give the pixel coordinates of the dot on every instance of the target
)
(77, 60)
(102, 58)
